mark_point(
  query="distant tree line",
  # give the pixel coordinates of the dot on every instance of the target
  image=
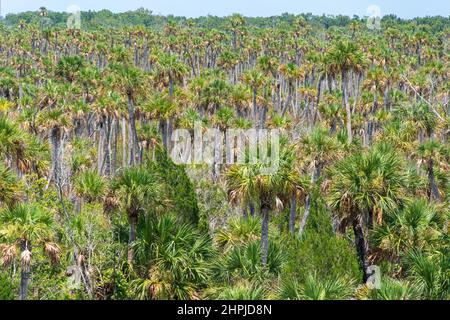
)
(145, 17)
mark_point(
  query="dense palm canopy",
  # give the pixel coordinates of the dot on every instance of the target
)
(88, 123)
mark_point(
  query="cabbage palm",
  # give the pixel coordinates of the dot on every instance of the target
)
(23, 228)
(90, 186)
(14, 144)
(9, 187)
(415, 226)
(362, 186)
(319, 149)
(433, 153)
(429, 273)
(255, 80)
(393, 289)
(172, 259)
(130, 81)
(343, 58)
(315, 288)
(135, 188)
(251, 183)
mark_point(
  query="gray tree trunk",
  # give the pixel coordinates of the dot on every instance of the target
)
(434, 191)
(133, 225)
(264, 235)
(24, 278)
(55, 141)
(347, 105)
(361, 247)
(292, 209)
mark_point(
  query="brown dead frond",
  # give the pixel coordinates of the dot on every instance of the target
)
(8, 254)
(52, 250)
(25, 258)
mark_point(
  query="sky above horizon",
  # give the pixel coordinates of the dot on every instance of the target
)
(196, 8)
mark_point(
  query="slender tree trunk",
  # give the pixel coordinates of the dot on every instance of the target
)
(100, 149)
(370, 218)
(55, 141)
(115, 131)
(315, 176)
(255, 93)
(124, 142)
(434, 191)
(133, 225)
(245, 213)
(24, 277)
(133, 134)
(264, 235)
(306, 214)
(347, 105)
(251, 207)
(292, 209)
(163, 129)
(361, 247)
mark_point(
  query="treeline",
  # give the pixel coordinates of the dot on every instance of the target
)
(145, 17)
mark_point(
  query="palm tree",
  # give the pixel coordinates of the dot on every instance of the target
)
(9, 188)
(343, 58)
(169, 72)
(416, 226)
(291, 73)
(314, 288)
(392, 289)
(25, 227)
(251, 183)
(320, 149)
(90, 186)
(246, 183)
(255, 79)
(135, 188)
(14, 145)
(172, 258)
(429, 273)
(129, 80)
(237, 22)
(43, 12)
(433, 153)
(54, 119)
(70, 68)
(362, 186)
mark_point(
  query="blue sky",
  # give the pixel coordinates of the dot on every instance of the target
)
(195, 8)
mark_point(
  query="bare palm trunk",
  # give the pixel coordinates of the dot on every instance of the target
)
(163, 130)
(292, 215)
(24, 276)
(255, 93)
(315, 176)
(264, 235)
(133, 139)
(251, 207)
(55, 140)
(124, 142)
(133, 225)
(361, 247)
(434, 191)
(347, 105)
(100, 149)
